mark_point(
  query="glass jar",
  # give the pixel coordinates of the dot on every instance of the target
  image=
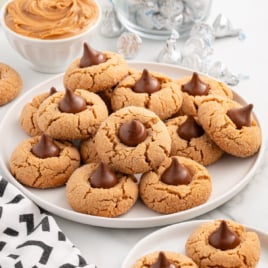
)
(155, 19)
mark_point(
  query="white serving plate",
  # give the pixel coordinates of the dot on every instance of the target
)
(229, 174)
(174, 237)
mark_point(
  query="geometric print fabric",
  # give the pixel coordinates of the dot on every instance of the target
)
(29, 237)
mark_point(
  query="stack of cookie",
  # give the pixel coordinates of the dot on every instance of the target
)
(219, 243)
(112, 123)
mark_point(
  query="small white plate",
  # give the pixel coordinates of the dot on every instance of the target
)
(174, 237)
(229, 174)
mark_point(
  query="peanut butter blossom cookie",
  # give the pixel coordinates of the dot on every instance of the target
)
(42, 162)
(95, 71)
(230, 125)
(178, 184)
(71, 115)
(28, 116)
(189, 139)
(10, 83)
(196, 87)
(165, 259)
(133, 140)
(225, 244)
(96, 189)
(153, 91)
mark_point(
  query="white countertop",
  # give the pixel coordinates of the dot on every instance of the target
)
(107, 247)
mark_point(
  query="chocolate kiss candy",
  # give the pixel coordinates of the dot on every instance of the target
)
(72, 103)
(224, 238)
(241, 116)
(52, 91)
(91, 57)
(190, 129)
(132, 133)
(162, 262)
(45, 147)
(196, 87)
(147, 83)
(103, 177)
(176, 174)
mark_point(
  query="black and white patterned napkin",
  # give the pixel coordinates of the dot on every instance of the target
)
(31, 238)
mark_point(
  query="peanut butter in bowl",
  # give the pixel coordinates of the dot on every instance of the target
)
(49, 34)
(51, 19)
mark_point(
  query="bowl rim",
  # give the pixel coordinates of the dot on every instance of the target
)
(39, 40)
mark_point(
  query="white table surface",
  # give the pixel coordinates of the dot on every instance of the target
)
(107, 247)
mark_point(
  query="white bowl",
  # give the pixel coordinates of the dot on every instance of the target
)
(48, 56)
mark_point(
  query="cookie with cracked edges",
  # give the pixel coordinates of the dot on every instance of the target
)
(43, 173)
(167, 198)
(200, 148)
(191, 102)
(106, 94)
(10, 83)
(147, 154)
(68, 125)
(28, 121)
(105, 202)
(164, 102)
(245, 255)
(28, 116)
(97, 77)
(239, 142)
(173, 258)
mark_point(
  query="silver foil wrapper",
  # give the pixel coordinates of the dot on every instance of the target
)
(223, 27)
(163, 15)
(128, 45)
(110, 25)
(221, 72)
(170, 53)
(198, 50)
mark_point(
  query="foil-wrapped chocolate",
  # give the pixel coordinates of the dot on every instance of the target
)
(197, 9)
(221, 72)
(197, 52)
(204, 31)
(150, 18)
(128, 44)
(200, 41)
(198, 46)
(192, 61)
(170, 53)
(223, 27)
(163, 15)
(110, 25)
